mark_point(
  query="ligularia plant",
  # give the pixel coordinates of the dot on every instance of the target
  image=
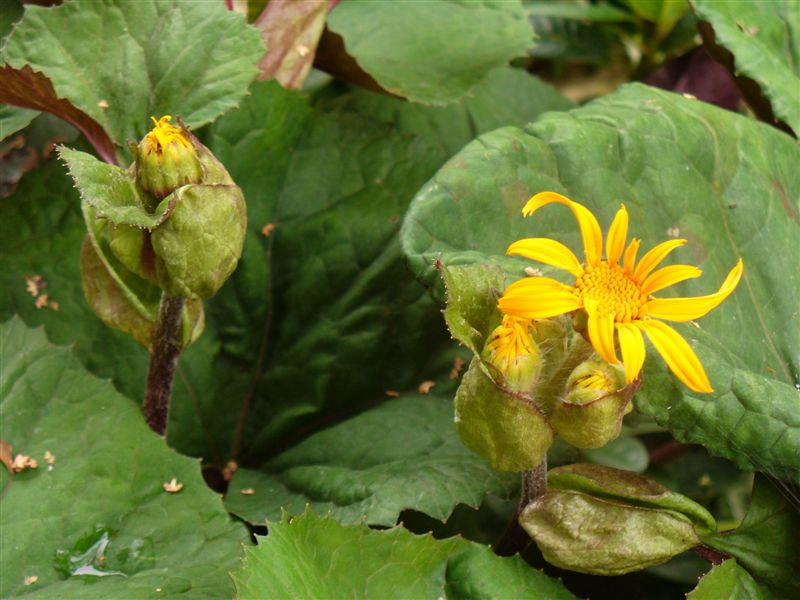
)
(574, 385)
(161, 236)
(229, 231)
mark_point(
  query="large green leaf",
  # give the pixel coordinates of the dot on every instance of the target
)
(402, 454)
(100, 508)
(726, 183)
(509, 96)
(150, 57)
(315, 557)
(439, 50)
(764, 38)
(766, 542)
(752, 420)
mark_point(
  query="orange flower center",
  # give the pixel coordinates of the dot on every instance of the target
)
(616, 294)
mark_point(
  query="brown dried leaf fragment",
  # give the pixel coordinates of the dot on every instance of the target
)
(458, 364)
(392, 393)
(172, 486)
(22, 462)
(33, 285)
(229, 470)
(6, 455)
(426, 386)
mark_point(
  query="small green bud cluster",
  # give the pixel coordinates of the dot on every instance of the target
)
(174, 222)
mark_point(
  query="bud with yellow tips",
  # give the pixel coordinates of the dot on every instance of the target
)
(512, 351)
(589, 415)
(166, 159)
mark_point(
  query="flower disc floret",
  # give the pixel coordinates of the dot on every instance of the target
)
(614, 291)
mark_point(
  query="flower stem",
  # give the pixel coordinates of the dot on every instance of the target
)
(163, 360)
(534, 484)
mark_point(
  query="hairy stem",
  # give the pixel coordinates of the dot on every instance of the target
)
(534, 484)
(163, 360)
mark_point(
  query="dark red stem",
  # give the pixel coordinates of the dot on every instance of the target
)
(163, 360)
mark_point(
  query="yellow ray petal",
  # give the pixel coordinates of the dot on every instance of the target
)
(617, 233)
(651, 259)
(667, 276)
(549, 252)
(538, 298)
(629, 260)
(678, 355)
(601, 332)
(686, 309)
(590, 229)
(632, 346)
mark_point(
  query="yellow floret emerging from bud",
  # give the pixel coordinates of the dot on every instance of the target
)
(163, 135)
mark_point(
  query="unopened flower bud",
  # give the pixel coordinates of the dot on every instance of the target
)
(513, 352)
(592, 380)
(197, 243)
(596, 399)
(167, 159)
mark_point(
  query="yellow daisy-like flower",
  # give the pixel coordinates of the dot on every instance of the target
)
(616, 297)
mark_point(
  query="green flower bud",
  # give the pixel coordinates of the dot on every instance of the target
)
(599, 520)
(596, 399)
(166, 159)
(201, 218)
(514, 354)
(198, 246)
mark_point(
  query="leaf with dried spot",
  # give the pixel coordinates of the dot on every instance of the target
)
(291, 32)
(106, 489)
